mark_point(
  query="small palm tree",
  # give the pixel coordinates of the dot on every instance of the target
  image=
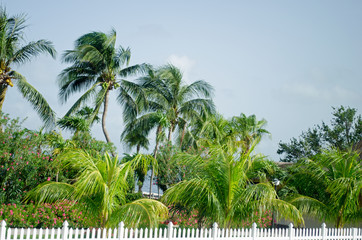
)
(101, 185)
(99, 68)
(13, 53)
(222, 190)
(247, 130)
(79, 122)
(339, 173)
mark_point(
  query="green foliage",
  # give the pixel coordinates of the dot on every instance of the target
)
(222, 190)
(338, 175)
(169, 171)
(344, 131)
(24, 160)
(85, 141)
(46, 215)
(100, 184)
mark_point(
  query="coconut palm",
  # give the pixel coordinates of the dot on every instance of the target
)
(99, 67)
(135, 137)
(100, 184)
(167, 93)
(339, 174)
(222, 190)
(12, 52)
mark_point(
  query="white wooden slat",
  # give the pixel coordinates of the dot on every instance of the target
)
(104, 233)
(151, 233)
(125, 233)
(21, 237)
(46, 234)
(15, 233)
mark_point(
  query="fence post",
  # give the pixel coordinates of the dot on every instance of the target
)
(2, 229)
(65, 230)
(254, 231)
(214, 231)
(120, 230)
(291, 231)
(354, 233)
(170, 230)
(324, 232)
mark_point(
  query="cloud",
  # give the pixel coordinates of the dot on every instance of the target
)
(184, 63)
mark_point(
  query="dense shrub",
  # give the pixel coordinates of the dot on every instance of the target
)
(46, 215)
(24, 160)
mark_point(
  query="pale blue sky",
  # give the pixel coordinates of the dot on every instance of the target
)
(285, 61)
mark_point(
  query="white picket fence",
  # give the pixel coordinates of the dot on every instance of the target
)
(173, 232)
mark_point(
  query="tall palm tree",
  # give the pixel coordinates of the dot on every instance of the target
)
(339, 174)
(100, 184)
(222, 190)
(99, 67)
(12, 52)
(168, 94)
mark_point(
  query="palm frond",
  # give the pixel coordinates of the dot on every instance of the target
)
(36, 99)
(33, 49)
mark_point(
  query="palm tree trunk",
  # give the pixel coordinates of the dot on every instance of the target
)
(3, 90)
(106, 99)
(159, 128)
(183, 134)
(169, 134)
(138, 148)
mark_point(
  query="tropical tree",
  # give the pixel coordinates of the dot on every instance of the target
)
(167, 93)
(246, 130)
(100, 185)
(99, 67)
(222, 190)
(338, 175)
(240, 131)
(12, 52)
(79, 122)
(135, 137)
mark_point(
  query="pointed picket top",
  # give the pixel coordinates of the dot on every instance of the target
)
(121, 225)
(65, 224)
(215, 225)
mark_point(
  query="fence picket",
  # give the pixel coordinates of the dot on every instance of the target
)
(173, 233)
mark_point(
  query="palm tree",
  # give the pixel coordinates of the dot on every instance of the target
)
(247, 130)
(101, 185)
(135, 137)
(222, 190)
(167, 93)
(99, 67)
(339, 174)
(12, 53)
(79, 122)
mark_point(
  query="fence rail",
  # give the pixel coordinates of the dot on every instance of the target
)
(173, 232)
